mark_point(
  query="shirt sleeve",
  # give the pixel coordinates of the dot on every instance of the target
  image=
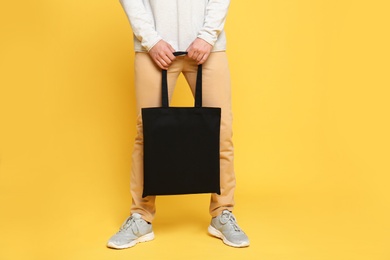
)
(216, 12)
(142, 22)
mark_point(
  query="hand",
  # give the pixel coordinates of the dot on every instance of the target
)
(199, 50)
(161, 54)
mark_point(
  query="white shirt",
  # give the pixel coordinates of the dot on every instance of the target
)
(178, 22)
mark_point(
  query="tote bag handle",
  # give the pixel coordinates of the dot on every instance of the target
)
(198, 88)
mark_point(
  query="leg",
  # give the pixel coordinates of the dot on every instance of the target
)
(148, 94)
(217, 93)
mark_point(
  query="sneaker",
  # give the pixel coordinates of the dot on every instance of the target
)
(226, 228)
(134, 230)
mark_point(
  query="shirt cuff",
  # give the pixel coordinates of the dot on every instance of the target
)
(210, 40)
(151, 43)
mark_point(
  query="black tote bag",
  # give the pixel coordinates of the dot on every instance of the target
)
(181, 146)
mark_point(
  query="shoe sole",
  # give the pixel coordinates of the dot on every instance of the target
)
(216, 233)
(144, 238)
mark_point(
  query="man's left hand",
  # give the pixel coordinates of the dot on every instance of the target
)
(199, 50)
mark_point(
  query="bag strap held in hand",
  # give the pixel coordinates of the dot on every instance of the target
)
(198, 89)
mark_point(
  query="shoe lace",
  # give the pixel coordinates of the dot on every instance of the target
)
(130, 223)
(228, 218)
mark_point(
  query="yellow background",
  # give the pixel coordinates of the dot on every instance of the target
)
(311, 130)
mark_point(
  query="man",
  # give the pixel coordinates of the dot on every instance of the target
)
(161, 28)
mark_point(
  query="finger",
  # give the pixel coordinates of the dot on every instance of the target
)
(165, 60)
(160, 65)
(203, 60)
(190, 53)
(169, 52)
(171, 56)
(200, 57)
(194, 55)
(168, 57)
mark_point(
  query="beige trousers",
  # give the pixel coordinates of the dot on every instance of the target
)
(216, 93)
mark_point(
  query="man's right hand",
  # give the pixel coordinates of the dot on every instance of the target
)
(161, 54)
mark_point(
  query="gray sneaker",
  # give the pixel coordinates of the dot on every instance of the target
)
(134, 230)
(226, 228)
